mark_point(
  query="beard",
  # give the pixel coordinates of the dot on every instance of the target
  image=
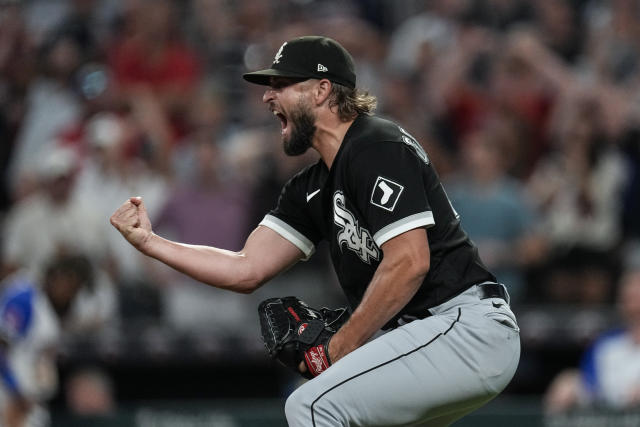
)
(302, 131)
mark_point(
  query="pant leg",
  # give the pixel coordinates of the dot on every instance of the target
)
(438, 368)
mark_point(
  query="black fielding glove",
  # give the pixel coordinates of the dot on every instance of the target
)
(294, 332)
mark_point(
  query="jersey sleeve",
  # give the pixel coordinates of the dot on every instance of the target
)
(291, 219)
(591, 366)
(16, 315)
(389, 180)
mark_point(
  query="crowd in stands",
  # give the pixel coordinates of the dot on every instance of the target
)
(530, 111)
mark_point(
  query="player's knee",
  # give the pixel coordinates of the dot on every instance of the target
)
(304, 407)
(297, 409)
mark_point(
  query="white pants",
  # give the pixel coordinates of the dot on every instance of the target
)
(429, 372)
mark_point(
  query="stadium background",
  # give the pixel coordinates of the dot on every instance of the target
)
(529, 110)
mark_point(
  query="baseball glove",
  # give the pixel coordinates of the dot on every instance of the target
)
(294, 332)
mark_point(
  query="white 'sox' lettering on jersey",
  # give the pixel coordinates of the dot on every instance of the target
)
(356, 238)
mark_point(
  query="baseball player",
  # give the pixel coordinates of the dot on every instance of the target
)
(397, 246)
(29, 332)
(31, 320)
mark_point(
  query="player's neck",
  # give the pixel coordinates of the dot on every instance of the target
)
(328, 137)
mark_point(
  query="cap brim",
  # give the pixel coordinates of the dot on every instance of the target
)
(262, 77)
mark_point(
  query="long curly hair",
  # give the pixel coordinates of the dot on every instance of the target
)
(351, 102)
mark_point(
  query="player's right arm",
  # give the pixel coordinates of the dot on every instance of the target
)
(264, 255)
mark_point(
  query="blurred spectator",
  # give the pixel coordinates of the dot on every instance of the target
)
(46, 225)
(214, 30)
(208, 121)
(152, 57)
(478, 79)
(612, 40)
(205, 205)
(47, 222)
(92, 17)
(609, 374)
(579, 191)
(17, 65)
(31, 317)
(397, 102)
(43, 16)
(51, 106)
(498, 14)
(105, 180)
(559, 27)
(497, 215)
(206, 208)
(418, 41)
(89, 392)
(571, 86)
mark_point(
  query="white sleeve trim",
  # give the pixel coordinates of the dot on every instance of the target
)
(291, 234)
(422, 219)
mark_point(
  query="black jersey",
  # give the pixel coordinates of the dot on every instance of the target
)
(381, 184)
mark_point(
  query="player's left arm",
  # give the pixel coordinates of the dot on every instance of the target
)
(405, 264)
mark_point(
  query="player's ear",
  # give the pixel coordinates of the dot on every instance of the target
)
(322, 91)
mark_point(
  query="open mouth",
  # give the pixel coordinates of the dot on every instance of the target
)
(283, 120)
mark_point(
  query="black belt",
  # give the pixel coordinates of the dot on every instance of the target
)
(493, 290)
(486, 290)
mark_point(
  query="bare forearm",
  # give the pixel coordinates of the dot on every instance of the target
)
(397, 279)
(264, 255)
(216, 267)
(391, 288)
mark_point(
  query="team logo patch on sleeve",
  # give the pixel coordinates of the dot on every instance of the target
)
(386, 193)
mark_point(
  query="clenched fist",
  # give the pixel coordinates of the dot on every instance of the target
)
(132, 221)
